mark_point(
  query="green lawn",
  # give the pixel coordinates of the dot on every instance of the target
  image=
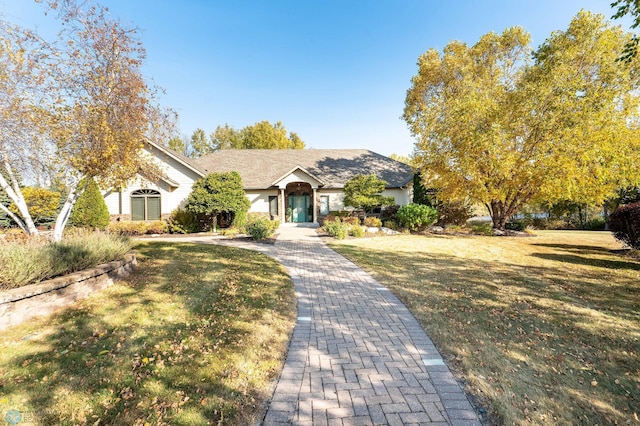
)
(195, 336)
(544, 329)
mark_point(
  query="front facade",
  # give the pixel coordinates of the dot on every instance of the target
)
(288, 185)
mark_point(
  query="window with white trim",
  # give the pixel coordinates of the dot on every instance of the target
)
(145, 205)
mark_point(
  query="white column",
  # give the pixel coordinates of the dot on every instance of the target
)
(315, 219)
(283, 212)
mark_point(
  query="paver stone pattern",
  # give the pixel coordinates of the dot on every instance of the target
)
(357, 355)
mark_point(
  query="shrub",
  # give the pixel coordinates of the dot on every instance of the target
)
(239, 219)
(357, 231)
(389, 213)
(157, 227)
(230, 232)
(596, 224)
(41, 203)
(183, 222)
(391, 224)
(454, 213)
(39, 259)
(417, 216)
(90, 210)
(260, 228)
(351, 220)
(336, 229)
(372, 222)
(482, 228)
(625, 224)
(515, 225)
(127, 227)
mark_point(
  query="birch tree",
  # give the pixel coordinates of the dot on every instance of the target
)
(86, 100)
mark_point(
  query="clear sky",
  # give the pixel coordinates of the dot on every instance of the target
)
(333, 71)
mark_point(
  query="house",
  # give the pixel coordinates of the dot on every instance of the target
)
(293, 185)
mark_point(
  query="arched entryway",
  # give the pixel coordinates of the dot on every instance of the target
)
(299, 202)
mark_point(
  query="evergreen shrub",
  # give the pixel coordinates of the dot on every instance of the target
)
(90, 210)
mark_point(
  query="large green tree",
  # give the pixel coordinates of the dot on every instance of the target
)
(365, 192)
(217, 193)
(498, 126)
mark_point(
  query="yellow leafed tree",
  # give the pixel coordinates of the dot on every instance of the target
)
(504, 128)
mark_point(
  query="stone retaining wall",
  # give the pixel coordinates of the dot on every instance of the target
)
(20, 304)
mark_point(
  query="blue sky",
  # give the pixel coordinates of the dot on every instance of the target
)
(333, 71)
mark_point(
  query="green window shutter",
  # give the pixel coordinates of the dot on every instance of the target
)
(137, 208)
(153, 208)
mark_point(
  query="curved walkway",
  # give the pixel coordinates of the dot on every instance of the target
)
(357, 355)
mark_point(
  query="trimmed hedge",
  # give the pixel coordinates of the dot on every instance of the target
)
(624, 222)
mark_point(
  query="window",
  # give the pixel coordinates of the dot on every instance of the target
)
(273, 206)
(324, 205)
(145, 205)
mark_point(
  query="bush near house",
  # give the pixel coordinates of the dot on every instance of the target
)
(336, 229)
(182, 221)
(416, 217)
(625, 224)
(138, 227)
(372, 222)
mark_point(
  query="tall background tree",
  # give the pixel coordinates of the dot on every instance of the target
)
(499, 128)
(81, 103)
(261, 135)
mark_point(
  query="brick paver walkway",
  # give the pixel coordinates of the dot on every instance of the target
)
(357, 356)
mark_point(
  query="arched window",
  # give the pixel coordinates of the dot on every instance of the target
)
(145, 205)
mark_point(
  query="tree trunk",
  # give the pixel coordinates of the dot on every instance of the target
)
(65, 212)
(16, 196)
(215, 223)
(14, 217)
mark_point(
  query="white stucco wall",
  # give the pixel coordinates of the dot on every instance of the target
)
(119, 203)
(260, 200)
(336, 197)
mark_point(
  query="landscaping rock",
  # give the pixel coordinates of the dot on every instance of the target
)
(388, 231)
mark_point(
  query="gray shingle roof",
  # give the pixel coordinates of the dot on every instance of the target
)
(260, 168)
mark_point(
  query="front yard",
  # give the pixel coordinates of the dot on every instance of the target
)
(195, 336)
(545, 329)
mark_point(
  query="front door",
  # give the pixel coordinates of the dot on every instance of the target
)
(299, 205)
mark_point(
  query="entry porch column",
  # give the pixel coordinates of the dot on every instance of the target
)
(283, 212)
(314, 214)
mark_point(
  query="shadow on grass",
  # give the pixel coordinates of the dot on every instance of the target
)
(542, 344)
(175, 344)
